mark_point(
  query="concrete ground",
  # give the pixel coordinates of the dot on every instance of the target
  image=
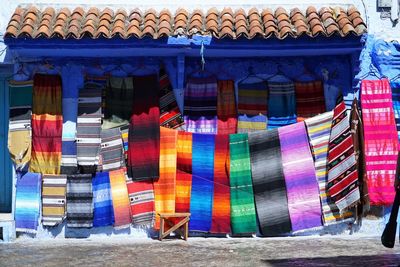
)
(288, 251)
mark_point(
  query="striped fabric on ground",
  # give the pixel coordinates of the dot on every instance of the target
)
(221, 209)
(319, 129)
(141, 196)
(89, 128)
(170, 115)
(164, 186)
(301, 183)
(310, 100)
(381, 140)
(342, 166)
(201, 198)
(53, 199)
(112, 151)
(69, 163)
(103, 213)
(27, 202)
(200, 105)
(226, 107)
(120, 199)
(281, 104)
(79, 201)
(395, 85)
(19, 127)
(184, 172)
(243, 213)
(252, 107)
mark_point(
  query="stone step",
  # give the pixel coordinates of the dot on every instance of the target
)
(7, 227)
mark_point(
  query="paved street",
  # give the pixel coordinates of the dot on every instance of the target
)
(290, 251)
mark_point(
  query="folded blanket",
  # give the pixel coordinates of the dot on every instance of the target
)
(79, 201)
(53, 199)
(103, 213)
(112, 152)
(141, 196)
(120, 199)
(184, 172)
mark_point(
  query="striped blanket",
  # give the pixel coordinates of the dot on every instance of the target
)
(201, 198)
(252, 106)
(69, 163)
(281, 104)
(381, 140)
(184, 172)
(99, 82)
(243, 213)
(89, 128)
(269, 183)
(47, 124)
(226, 107)
(164, 186)
(120, 199)
(310, 100)
(112, 151)
(170, 115)
(79, 201)
(221, 209)
(319, 129)
(141, 196)
(125, 140)
(301, 183)
(395, 86)
(200, 105)
(118, 104)
(103, 213)
(144, 130)
(27, 202)
(53, 199)
(19, 128)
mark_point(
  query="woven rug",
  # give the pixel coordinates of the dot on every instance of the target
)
(170, 115)
(226, 107)
(164, 186)
(381, 140)
(79, 201)
(301, 182)
(120, 199)
(281, 104)
(119, 96)
(221, 209)
(269, 183)
(112, 152)
(144, 130)
(103, 213)
(252, 107)
(69, 163)
(53, 199)
(200, 105)
(310, 100)
(19, 127)
(395, 86)
(243, 213)
(47, 124)
(89, 128)
(141, 196)
(184, 172)
(125, 140)
(27, 202)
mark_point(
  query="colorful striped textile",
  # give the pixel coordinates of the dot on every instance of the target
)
(141, 196)
(381, 140)
(184, 172)
(281, 104)
(319, 129)
(112, 152)
(184, 151)
(269, 183)
(201, 198)
(119, 96)
(144, 130)
(170, 115)
(243, 213)
(342, 165)
(79, 201)
(252, 107)
(395, 86)
(200, 105)
(120, 199)
(221, 208)
(47, 124)
(226, 107)
(164, 187)
(19, 127)
(69, 162)
(301, 183)
(103, 213)
(27, 202)
(310, 100)
(125, 140)
(89, 127)
(53, 199)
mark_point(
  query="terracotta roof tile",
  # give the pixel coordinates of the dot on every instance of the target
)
(79, 23)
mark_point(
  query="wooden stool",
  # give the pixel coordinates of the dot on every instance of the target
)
(165, 217)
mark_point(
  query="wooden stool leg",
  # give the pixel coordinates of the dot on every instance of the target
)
(186, 231)
(161, 233)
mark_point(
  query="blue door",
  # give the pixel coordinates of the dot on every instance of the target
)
(5, 161)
